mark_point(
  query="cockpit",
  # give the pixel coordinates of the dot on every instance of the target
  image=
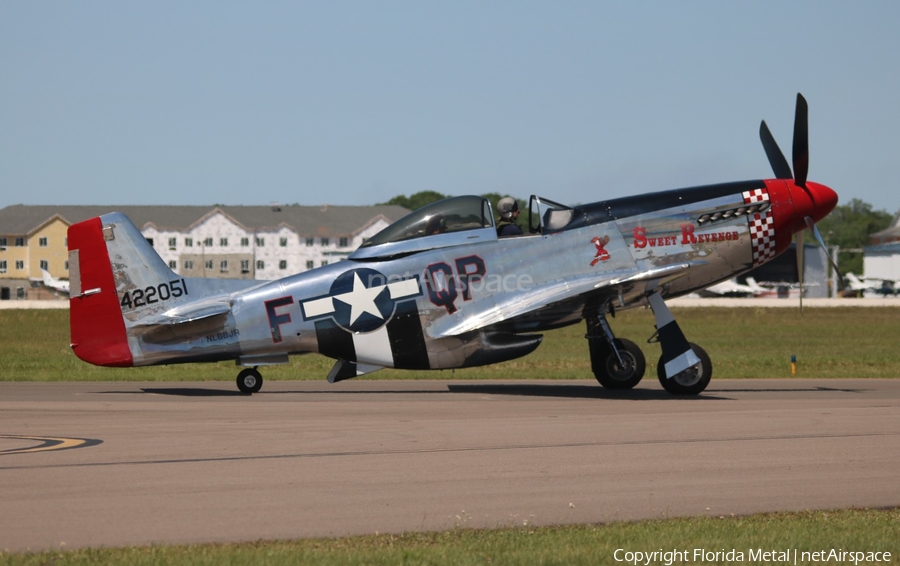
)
(458, 220)
(449, 222)
(457, 214)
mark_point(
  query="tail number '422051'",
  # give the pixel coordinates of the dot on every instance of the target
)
(154, 294)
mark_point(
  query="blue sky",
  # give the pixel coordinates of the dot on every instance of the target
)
(355, 102)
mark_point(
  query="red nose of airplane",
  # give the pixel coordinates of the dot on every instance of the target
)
(814, 200)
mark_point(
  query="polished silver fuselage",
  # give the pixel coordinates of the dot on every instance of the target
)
(475, 298)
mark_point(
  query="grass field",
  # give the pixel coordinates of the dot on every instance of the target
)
(742, 342)
(848, 530)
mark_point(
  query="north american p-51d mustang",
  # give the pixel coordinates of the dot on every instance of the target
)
(440, 289)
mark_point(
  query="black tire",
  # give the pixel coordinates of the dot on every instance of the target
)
(691, 381)
(249, 381)
(610, 373)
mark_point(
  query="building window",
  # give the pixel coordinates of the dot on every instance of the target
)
(20, 264)
(260, 241)
(66, 264)
(245, 242)
(223, 266)
(310, 242)
(324, 241)
(20, 242)
(45, 264)
(172, 243)
(282, 264)
(20, 293)
(260, 264)
(245, 266)
(42, 242)
(2, 266)
(310, 264)
(207, 242)
(324, 262)
(282, 242)
(173, 264)
(2, 242)
(344, 243)
(188, 264)
(223, 242)
(189, 242)
(209, 264)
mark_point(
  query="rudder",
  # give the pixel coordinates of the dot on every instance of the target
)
(95, 319)
(116, 279)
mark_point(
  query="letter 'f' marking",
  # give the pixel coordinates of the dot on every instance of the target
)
(276, 320)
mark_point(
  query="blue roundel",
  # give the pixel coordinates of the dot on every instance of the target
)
(362, 300)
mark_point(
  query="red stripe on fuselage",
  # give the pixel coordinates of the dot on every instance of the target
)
(95, 320)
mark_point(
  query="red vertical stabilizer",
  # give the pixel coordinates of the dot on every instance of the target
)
(95, 318)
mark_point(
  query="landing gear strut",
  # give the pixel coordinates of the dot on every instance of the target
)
(683, 368)
(249, 381)
(617, 363)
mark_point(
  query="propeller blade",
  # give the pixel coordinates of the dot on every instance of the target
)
(801, 142)
(812, 228)
(800, 266)
(776, 158)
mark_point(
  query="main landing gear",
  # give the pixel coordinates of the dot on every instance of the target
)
(249, 380)
(683, 369)
(617, 363)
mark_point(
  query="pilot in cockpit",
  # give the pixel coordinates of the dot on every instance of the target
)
(435, 225)
(508, 209)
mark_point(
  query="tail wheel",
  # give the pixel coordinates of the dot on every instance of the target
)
(691, 381)
(615, 375)
(249, 381)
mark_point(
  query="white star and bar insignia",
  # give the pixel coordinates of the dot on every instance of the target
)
(361, 300)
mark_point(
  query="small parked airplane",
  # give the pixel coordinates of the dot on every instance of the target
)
(458, 295)
(731, 288)
(872, 287)
(53, 283)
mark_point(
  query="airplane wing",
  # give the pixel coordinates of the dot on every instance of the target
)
(558, 292)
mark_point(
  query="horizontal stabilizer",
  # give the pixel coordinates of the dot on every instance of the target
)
(188, 313)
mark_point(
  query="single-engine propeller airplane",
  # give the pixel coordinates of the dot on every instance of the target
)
(53, 283)
(440, 289)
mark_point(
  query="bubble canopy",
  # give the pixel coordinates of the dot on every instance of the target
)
(440, 224)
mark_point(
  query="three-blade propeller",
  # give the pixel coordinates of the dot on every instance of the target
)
(782, 170)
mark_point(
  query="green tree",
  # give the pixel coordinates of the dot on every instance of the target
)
(849, 226)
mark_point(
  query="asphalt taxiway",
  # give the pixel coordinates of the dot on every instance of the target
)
(113, 464)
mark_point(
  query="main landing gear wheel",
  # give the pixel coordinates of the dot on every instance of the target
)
(249, 381)
(614, 375)
(691, 381)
